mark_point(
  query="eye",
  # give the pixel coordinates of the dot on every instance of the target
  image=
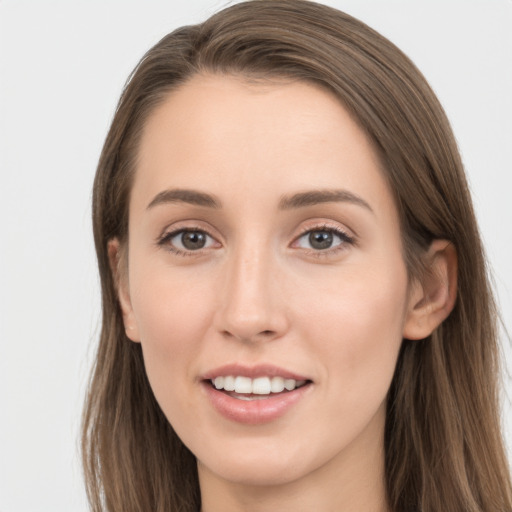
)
(187, 240)
(323, 239)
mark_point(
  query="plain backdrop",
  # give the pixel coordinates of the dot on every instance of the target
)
(62, 67)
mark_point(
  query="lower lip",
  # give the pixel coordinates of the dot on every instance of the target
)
(254, 412)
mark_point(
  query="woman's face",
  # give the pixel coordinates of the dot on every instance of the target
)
(265, 251)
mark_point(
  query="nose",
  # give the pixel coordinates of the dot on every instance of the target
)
(252, 305)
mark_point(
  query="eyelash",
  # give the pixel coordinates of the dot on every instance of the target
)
(334, 230)
(164, 240)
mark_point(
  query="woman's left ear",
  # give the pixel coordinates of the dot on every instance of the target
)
(432, 299)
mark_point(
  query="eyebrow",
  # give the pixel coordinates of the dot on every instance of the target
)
(313, 197)
(299, 200)
(178, 195)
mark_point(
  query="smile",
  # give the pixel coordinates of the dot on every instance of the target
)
(255, 395)
(245, 388)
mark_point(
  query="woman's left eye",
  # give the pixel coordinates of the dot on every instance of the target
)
(322, 239)
(187, 240)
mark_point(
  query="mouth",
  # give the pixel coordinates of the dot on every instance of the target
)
(255, 395)
(259, 388)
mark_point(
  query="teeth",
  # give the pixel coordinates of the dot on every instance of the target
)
(258, 386)
(261, 386)
(277, 385)
(289, 384)
(243, 385)
(229, 383)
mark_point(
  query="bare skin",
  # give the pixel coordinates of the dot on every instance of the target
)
(245, 268)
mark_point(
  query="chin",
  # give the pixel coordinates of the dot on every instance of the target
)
(261, 472)
(262, 462)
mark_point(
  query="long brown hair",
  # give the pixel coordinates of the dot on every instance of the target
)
(443, 445)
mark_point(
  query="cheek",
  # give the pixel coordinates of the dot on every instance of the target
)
(357, 324)
(172, 315)
(170, 306)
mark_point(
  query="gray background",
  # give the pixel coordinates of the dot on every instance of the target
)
(62, 68)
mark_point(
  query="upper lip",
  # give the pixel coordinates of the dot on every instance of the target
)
(259, 370)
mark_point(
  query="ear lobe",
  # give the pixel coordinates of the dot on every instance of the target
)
(432, 300)
(118, 267)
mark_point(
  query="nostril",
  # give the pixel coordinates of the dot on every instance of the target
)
(266, 334)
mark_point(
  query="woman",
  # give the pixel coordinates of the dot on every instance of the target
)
(296, 312)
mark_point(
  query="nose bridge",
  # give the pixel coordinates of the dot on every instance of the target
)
(250, 308)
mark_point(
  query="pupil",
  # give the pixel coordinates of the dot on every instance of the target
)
(193, 240)
(320, 239)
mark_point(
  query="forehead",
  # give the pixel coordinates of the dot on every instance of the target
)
(226, 133)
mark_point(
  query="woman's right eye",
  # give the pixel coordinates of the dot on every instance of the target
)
(187, 241)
